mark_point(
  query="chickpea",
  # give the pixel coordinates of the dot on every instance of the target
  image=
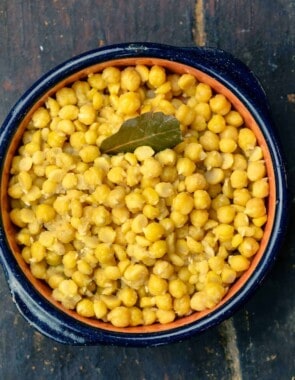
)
(145, 236)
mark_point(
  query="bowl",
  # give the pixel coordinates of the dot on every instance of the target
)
(225, 75)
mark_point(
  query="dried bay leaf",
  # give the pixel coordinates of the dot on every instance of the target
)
(154, 129)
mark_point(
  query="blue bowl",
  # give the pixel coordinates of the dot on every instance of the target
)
(227, 75)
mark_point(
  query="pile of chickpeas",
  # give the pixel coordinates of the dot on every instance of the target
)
(139, 237)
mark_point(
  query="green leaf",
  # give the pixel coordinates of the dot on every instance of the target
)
(154, 129)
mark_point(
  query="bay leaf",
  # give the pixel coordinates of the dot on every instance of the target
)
(154, 129)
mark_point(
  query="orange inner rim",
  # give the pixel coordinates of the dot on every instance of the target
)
(179, 68)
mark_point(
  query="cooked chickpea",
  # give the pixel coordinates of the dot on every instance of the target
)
(255, 208)
(119, 316)
(134, 201)
(164, 301)
(247, 139)
(139, 223)
(85, 308)
(158, 249)
(128, 296)
(143, 152)
(202, 199)
(68, 112)
(130, 79)
(234, 118)
(256, 170)
(41, 118)
(157, 76)
(216, 124)
(140, 237)
(196, 181)
(153, 231)
(199, 217)
(227, 145)
(44, 213)
(151, 168)
(100, 309)
(151, 212)
(177, 288)
(260, 188)
(66, 96)
(183, 202)
(238, 263)
(157, 285)
(214, 176)
(203, 92)
(166, 157)
(239, 179)
(248, 247)
(89, 153)
(111, 75)
(38, 252)
(185, 114)
(241, 196)
(165, 316)
(178, 218)
(210, 141)
(240, 162)
(219, 104)
(226, 214)
(128, 103)
(164, 189)
(135, 275)
(224, 232)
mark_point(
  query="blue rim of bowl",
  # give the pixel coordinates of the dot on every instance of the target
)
(234, 75)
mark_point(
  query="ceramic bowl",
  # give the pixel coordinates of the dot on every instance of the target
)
(225, 75)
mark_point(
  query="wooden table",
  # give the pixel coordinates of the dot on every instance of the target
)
(258, 342)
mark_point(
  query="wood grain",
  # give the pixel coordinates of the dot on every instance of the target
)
(262, 34)
(258, 342)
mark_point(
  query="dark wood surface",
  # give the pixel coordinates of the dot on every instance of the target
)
(258, 342)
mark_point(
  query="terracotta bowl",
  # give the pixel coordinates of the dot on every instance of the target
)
(225, 75)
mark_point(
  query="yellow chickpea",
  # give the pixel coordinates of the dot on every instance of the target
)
(41, 118)
(157, 76)
(44, 213)
(119, 316)
(247, 139)
(183, 202)
(209, 140)
(203, 92)
(255, 208)
(260, 188)
(111, 75)
(216, 124)
(219, 104)
(151, 168)
(226, 214)
(238, 263)
(202, 199)
(153, 231)
(177, 288)
(234, 118)
(164, 301)
(130, 79)
(157, 285)
(239, 179)
(66, 96)
(256, 170)
(140, 237)
(248, 247)
(185, 114)
(135, 275)
(129, 103)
